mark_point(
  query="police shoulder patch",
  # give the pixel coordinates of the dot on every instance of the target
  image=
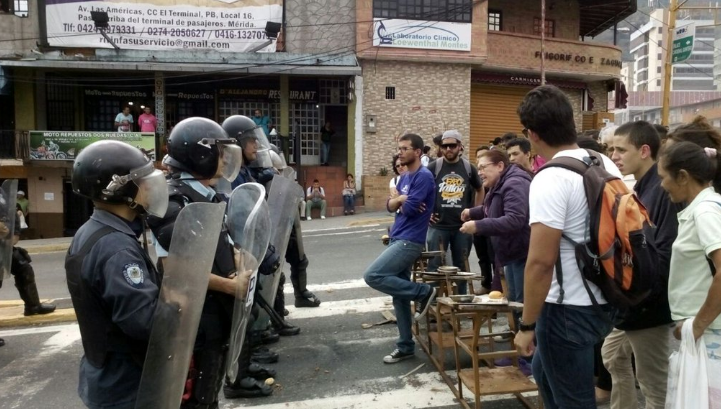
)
(133, 274)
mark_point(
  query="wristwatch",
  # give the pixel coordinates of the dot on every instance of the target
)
(526, 327)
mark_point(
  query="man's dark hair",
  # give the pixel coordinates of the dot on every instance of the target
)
(508, 136)
(481, 148)
(586, 142)
(547, 111)
(592, 133)
(497, 141)
(426, 149)
(416, 140)
(641, 133)
(662, 131)
(523, 144)
(316, 181)
(438, 139)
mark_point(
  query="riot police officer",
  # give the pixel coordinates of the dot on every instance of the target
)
(199, 154)
(112, 281)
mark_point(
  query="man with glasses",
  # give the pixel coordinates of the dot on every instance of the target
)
(390, 273)
(458, 187)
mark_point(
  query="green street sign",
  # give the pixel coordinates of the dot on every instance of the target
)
(683, 43)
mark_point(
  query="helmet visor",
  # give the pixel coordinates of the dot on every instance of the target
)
(230, 158)
(259, 135)
(278, 160)
(152, 193)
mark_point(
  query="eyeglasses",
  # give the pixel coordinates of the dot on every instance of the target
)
(404, 149)
(483, 167)
(449, 146)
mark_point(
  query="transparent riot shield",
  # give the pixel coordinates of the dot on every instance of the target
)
(283, 199)
(177, 314)
(249, 226)
(8, 199)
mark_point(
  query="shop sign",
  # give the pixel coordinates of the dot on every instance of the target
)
(580, 59)
(268, 94)
(115, 94)
(219, 25)
(194, 96)
(66, 145)
(419, 34)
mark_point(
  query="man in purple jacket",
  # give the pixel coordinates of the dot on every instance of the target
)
(391, 272)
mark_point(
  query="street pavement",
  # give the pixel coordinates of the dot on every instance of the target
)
(334, 363)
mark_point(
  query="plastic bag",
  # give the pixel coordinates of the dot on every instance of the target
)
(688, 382)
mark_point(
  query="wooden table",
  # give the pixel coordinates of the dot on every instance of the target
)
(490, 380)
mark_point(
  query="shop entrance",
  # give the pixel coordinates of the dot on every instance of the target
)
(77, 209)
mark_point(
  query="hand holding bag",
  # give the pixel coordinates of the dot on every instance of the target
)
(688, 383)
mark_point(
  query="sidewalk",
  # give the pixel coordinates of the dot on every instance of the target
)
(40, 246)
(11, 312)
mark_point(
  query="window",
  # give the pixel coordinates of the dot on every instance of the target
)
(17, 7)
(550, 27)
(658, 83)
(659, 57)
(459, 11)
(658, 70)
(660, 30)
(494, 20)
(390, 92)
(60, 104)
(660, 43)
(333, 91)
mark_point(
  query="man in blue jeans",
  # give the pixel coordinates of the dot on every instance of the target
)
(391, 272)
(566, 324)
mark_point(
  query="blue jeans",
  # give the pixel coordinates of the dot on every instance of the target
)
(390, 273)
(564, 358)
(348, 203)
(324, 152)
(460, 248)
(514, 279)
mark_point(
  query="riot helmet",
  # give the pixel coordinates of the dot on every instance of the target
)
(277, 158)
(201, 147)
(115, 172)
(247, 132)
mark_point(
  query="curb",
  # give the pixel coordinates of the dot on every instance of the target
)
(48, 248)
(12, 316)
(361, 223)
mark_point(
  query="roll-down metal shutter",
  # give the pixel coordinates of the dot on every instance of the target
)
(493, 112)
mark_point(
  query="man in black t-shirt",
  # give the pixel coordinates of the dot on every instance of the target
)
(457, 187)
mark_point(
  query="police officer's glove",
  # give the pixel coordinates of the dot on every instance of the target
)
(271, 261)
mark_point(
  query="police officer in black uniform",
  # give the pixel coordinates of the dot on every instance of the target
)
(199, 153)
(112, 281)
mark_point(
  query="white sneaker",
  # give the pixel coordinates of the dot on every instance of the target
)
(309, 218)
(322, 217)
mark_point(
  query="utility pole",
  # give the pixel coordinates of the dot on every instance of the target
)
(668, 67)
(543, 42)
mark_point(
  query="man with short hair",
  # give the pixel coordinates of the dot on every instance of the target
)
(645, 329)
(390, 273)
(507, 137)
(23, 202)
(124, 120)
(261, 120)
(566, 323)
(458, 187)
(479, 151)
(148, 122)
(519, 153)
(496, 144)
(315, 197)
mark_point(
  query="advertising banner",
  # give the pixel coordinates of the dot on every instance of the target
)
(59, 145)
(220, 25)
(419, 34)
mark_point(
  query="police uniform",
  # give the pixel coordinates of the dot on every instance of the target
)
(114, 288)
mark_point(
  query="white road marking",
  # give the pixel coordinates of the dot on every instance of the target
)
(339, 228)
(330, 287)
(38, 330)
(330, 308)
(344, 233)
(63, 339)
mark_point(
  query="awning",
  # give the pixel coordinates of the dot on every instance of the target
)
(600, 15)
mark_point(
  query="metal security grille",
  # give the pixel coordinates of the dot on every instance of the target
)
(176, 111)
(333, 91)
(459, 11)
(390, 92)
(306, 119)
(60, 104)
(100, 114)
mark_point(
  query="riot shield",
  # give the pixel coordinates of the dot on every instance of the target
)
(177, 315)
(283, 199)
(8, 199)
(249, 227)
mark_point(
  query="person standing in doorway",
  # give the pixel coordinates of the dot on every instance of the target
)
(326, 133)
(262, 121)
(148, 122)
(23, 202)
(124, 121)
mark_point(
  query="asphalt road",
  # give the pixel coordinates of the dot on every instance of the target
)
(334, 362)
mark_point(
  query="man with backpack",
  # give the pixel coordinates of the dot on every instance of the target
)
(559, 310)
(457, 187)
(644, 330)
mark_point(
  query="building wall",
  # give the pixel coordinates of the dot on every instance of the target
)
(440, 101)
(26, 30)
(315, 26)
(45, 192)
(517, 16)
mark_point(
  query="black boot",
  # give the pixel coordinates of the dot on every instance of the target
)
(2, 342)
(28, 290)
(263, 355)
(306, 300)
(299, 277)
(259, 372)
(247, 388)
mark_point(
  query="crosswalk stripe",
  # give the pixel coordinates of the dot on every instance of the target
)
(330, 287)
(331, 308)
